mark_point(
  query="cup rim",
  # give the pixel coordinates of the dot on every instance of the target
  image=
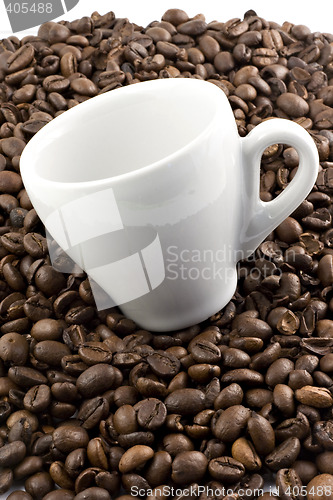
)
(28, 164)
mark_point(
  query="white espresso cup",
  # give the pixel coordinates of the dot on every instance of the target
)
(151, 191)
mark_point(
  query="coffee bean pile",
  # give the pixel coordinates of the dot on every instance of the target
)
(93, 407)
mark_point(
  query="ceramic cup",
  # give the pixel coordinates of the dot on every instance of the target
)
(151, 191)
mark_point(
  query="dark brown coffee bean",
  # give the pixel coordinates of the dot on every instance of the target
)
(29, 466)
(163, 364)
(325, 270)
(14, 348)
(13, 242)
(305, 469)
(193, 27)
(93, 493)
(262, 434)
(243, 376)
(56, 83)
(37, 399)
(279, 371)
(257, 398)
(189, 466)
(50, 352)
(226, 469)
(20, 495)
(39, 485)
(6, 480)
(92, 353)
(35, 245)
(95, 380)
(324, 462)
(231, 423)
(284, 455)
(48, 280)
(61, 494)
(92, 411)
(159, 468)
(322, 431)
(283, 398)
(20, 59)
(47, 329)
(67, 438)
(151, 414)
(229, 396)
(185, 401)
(293, 427)
(12, 454)
(289, 484)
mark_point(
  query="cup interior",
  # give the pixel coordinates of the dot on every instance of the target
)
(124, 130)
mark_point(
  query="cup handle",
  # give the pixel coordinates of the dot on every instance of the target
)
(259, 217)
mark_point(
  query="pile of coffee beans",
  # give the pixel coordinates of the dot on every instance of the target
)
(93, 407)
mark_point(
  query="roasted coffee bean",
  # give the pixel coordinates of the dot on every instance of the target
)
(257, 398)
(289, 484)
(320, 487)
(278, 371)
(185, 401)
(14, 348)
(92, 411)
(229, 396)
(305, 469)
(293, 427)
(244, 451)
(226, 469)
(50, 352)
(67, 438)
(39, 484)
(96, 379)
(61, 494)
(29, 466)
(37, 399)
(323, 432)
(135, 457)
(283, 398)
(12, 454)
(6, 480)
(151, 414)
(47, 329)
(319, 397)
(231, 423)
(163, 364)
(261, 433)
(284, 455)
(188, 467)
(159, 468)
(92, 353)
(243, 376)
(20, 495)
(205, 352)
(93, 493)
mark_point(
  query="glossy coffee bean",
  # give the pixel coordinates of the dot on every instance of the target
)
(226, 469)
(188, 467)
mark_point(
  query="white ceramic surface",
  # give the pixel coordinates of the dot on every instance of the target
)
(150, 189)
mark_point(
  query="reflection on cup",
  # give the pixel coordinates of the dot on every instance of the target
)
(105, 249)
